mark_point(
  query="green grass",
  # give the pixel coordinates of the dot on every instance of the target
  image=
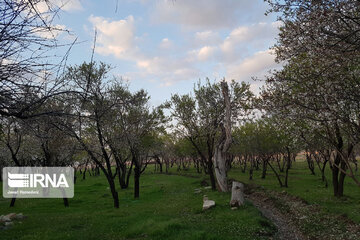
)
(310, 188)
(168, 208)
(304, 185)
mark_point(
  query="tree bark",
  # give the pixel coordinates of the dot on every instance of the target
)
(237, 194)
(129, 174)
(264, 168)
(211, 174)
(224, 142)
(136, 181)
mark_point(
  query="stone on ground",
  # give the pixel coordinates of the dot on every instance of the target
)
(207, 204)
(197, 190)
(11, 216)
(20, 216)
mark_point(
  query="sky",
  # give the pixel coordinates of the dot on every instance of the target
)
(166, 46)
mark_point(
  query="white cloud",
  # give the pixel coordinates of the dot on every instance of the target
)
(205, 53)
(206, 38)
(242, 38)
(165, 43)
(198, 53)
(115, 37)
(255, 66)
(205, 13)
(69, 5)
(118, 38)
(167, 69)
(65, 5)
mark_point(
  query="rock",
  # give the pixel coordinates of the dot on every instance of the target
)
(11, 216)
(197, 190)
(207, 204)
(5, 219)
(234, 208)
(237, 194)
(208, 187)
(20, 216)
(7, 224)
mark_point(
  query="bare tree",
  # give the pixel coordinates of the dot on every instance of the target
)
(27, 38)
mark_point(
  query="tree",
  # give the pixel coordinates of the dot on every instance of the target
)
(201, 118)
(90, 112)
(28, 36)
(319, 82)
(139, 125)
(224, 142)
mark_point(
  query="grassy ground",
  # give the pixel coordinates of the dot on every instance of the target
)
(310, 188)
(168, 208)
(304, 185)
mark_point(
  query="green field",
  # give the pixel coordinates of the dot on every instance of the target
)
(304, 185)
(168, 208)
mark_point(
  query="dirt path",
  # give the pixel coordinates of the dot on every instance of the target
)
(297, 219)
(286, 229)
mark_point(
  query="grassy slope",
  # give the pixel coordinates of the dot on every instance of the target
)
(167, 209)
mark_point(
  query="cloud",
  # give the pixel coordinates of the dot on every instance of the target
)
(205, 53)
(217, 41)
(115, 37)
(118, 38)
(167, 69)
(255, 66)
(65, 5)
(206, 38)
(165, 43)
(69, 5)
(243, 38)
(208, 14)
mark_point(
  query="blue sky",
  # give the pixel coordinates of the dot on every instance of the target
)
(165, 46)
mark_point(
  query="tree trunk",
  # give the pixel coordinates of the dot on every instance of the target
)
(264, 168)
(335, 181)
(66, 202)
(220, 170)
(276, 174)
(128, 174)
(288, 164)
(158, 160)
(224, 142)
(114, 193)
(12, 203)
(237, 194)
(310, 163)
(212, 177)
(251, 169)
(243, 170)
(136, 181)
(122, 175)
(341, 180)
